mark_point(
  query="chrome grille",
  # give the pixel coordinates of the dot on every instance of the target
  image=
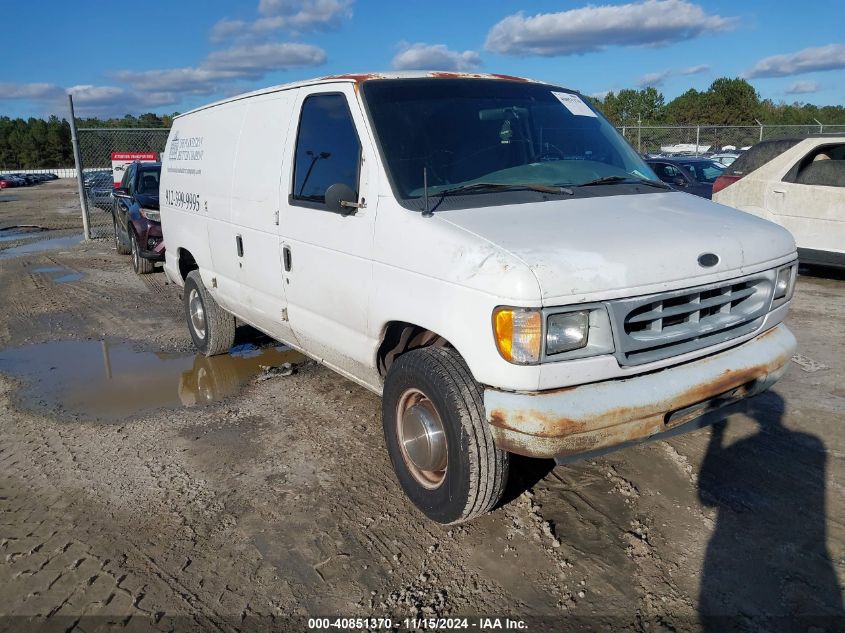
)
(668, 324)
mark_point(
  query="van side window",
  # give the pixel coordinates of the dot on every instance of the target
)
(328, 151)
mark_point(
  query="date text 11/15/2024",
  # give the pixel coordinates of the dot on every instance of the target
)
(478, 624)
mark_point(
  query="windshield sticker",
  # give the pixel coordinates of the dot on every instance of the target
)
(574, 104)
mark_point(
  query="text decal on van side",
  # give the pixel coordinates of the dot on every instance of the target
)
(185, 148)
(574, 104)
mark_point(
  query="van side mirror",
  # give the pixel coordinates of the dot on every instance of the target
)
(341, 199)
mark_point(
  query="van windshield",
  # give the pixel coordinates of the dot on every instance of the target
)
(468, 131)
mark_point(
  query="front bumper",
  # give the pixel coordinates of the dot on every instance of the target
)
(150, 238)
(589, 418)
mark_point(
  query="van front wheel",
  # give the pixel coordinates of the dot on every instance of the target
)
(438, 437)
(212, 328)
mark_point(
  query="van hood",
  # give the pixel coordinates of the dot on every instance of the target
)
(611, 245)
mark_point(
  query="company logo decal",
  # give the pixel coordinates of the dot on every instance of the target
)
(185, 148)
(708, 260)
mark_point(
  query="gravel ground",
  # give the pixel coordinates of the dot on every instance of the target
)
(278, 503)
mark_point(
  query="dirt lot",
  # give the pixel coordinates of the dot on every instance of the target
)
(258, 506)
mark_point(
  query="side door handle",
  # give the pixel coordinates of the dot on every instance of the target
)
(286, 256)
(239, 242)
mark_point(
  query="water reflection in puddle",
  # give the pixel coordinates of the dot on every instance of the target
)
(20, 233)
(58, 275)
(41, 246)
(112, 381)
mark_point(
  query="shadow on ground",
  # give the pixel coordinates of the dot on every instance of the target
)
(767, 564)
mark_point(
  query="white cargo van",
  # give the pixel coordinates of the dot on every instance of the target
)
(487, 253)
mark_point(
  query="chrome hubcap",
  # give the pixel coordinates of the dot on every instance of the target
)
(197, 313)
(422, 439)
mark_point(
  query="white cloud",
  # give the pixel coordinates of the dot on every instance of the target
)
(88, 99)
(653, 79)
(695, 70)
(830, 57)
(595, 28)
(658, 79)
(91, 100)
(803, 87)
(30, 91)
(600, 95)
(435, 57)
(263, 58)
(297, 16)
(223, 67)
(195, 81)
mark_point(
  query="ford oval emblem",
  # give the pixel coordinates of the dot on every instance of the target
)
(708, 260)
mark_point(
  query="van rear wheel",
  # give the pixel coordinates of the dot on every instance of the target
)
(212, 328)
(438, 437)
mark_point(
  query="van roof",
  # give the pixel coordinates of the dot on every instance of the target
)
(358, 78)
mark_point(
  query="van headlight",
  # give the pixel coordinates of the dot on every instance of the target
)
(527, 336)
(567, 331)
(784, 285)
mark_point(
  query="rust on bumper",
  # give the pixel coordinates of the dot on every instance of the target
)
(587, 418)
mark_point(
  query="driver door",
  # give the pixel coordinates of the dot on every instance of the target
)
(326, 256)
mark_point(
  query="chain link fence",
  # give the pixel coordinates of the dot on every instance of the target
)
(96, 146)
(701, 139)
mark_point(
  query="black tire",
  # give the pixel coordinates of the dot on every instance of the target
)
(122, 249)
(218, 335)
(476, 472)
(140, 265)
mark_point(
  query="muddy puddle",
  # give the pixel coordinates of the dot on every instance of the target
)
(58, 274)
(20, 233)
(112, 381)
(40, 246)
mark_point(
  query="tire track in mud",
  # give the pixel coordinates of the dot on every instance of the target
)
(168, 581)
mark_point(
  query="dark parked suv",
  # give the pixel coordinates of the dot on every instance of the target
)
(687, 173)
(137, 222)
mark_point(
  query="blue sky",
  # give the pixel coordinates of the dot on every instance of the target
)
(166, 56)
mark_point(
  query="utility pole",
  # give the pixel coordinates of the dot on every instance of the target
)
(77, 159)
(639, 133)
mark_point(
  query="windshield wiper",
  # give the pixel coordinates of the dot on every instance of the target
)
(613, 180)
(500, 186)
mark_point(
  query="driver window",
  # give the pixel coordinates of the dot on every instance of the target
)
(328, 151)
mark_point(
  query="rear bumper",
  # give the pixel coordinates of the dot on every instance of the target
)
(590, 418)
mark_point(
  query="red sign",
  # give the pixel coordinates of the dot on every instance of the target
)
(121, 160)
(132, 156)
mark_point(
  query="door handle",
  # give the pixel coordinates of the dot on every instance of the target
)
(239, 242)
(286, 256)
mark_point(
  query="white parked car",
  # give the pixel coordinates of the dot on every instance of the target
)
(798, 183)
(724, 158)
(485, 252)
